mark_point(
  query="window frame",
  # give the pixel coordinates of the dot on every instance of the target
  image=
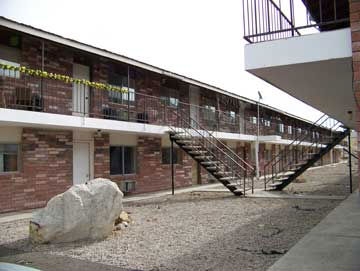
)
(179, 157)
(18, 158)
(121, 97)
(123, 160)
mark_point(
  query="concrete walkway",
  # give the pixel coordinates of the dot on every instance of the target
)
(334, 244)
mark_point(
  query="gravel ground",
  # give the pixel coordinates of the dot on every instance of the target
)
(201, 231)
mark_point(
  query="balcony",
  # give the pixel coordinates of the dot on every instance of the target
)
(303, 48)
(48, 98)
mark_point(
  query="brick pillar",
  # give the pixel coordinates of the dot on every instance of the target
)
(102, 156)
(355, 36)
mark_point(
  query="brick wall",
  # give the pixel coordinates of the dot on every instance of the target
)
(101, 156)
(355, 36)
(45, 170)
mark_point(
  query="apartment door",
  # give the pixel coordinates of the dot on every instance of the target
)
(81, 162)
(194, 101)
(80, 94)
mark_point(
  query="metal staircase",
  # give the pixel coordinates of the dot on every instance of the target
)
(285, 167)
(214, 156)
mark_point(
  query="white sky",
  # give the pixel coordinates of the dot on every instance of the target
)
(201, 39)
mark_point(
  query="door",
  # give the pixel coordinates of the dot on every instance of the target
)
(194, 101)
(80, 94)
(81, 162)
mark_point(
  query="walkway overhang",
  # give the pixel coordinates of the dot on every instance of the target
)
(316, 69)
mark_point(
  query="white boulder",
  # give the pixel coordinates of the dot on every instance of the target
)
(84, 211)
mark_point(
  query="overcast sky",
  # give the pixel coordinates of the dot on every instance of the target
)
(201, 39)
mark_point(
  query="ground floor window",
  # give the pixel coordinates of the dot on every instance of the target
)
(122, 160)
(165, 155)
(9, 157)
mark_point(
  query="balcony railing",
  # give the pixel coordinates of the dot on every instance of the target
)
(265, 20)
(33, 93)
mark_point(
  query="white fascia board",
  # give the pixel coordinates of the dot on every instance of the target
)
(302, 49)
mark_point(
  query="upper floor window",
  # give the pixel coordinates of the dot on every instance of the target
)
(209, 112)
(230, 116)
(253, 120)
(121, 80)
(266, 122)
(9, 157)
(289, 130)
(170, 96)
(280, 127)
(9, 56)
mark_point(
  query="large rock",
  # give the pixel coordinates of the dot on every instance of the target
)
(85, 211)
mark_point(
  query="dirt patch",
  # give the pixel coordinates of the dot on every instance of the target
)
(194, 231)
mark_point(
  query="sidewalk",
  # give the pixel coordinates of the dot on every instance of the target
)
(334, 244)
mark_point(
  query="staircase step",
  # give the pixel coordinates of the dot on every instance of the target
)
(184, 142)
(223, 173)
(287, 173)
(197, 152)
(232, 178)
(211, 168)
(281, 179)
(275, 184)
(191, 147)
(231, 185)
(238, 192)
(207, 163)
(203, 157)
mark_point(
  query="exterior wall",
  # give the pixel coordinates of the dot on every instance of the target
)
(101, 156)
(151, 175)
(45, 170)
(355, 36)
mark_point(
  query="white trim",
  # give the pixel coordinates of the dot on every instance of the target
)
(14, 117)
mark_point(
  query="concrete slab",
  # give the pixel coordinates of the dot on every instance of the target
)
(334, 244)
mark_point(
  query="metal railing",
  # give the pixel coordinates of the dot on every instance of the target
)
(265, 20)
(28, 92)
(288, 157)
(229, 163)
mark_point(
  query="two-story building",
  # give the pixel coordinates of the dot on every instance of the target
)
(56, 132)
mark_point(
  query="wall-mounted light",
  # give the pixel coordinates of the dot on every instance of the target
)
(350, 115)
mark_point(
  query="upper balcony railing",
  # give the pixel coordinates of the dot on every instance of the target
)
(31, 92)
(266, 20)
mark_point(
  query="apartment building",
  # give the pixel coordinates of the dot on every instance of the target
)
(59, 128)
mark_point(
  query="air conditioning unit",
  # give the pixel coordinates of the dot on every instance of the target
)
(127, 186)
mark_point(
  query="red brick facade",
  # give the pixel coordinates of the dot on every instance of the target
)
(45, 170)
(355, 36)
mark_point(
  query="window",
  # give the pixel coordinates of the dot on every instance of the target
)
(121, 81)
(230, 116)
(9, 56)
(9, 157)
(9, 73)
(122, 160)
(280, 127)
(266, 122)
(209, 112)
(170, 101)
(267, 155)
(165, 155)
(289, 130)
(253, 120)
